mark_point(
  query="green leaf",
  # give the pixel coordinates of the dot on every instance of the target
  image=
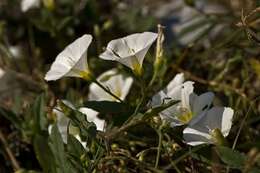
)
(76, 151)
(57, 148)
(39, 113)
(232, 158)
(107, 107)
(43, 153)
(74, 147)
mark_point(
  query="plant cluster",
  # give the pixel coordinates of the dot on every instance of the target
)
(136, 103)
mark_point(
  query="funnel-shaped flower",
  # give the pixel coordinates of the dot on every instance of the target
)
(117, 83)
(209, 127)
(130, 50)
(72, 61)
(190, 104)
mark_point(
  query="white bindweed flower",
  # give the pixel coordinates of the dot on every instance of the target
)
(72, 61)
(190, 104)
(117, 83)
(209, 127)
(28, 4)
(130, 50)
(92, 117)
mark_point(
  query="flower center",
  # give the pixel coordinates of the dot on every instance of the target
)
(85, 75)
(185, 115)
(137, 69)
(117, 93)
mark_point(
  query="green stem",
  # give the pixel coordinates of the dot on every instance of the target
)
(107, 90)
(159, 147)
(153, 78)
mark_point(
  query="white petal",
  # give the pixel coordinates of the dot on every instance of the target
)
(139, 41)
(198, 130)
(125, 85)
(227, 121)
(90, 113)
(82, 142)
(194, 137)
(118, 84)
(186, 92)
(159, 98)
(129, 49)
(72, 58)
(175, 93)
(98, 94)
(202, 102)
(176, 90)
(92, 117)
(28, 4)
(170, 114)
(215, 118)
(176, 81)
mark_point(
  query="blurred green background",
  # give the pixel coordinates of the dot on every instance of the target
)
(211, 42)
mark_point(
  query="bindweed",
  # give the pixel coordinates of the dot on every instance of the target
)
(209, 127)
(64, 126)
(190, 104)
(29, 4)
(130, 50)
(115, 82)
(72, 61)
